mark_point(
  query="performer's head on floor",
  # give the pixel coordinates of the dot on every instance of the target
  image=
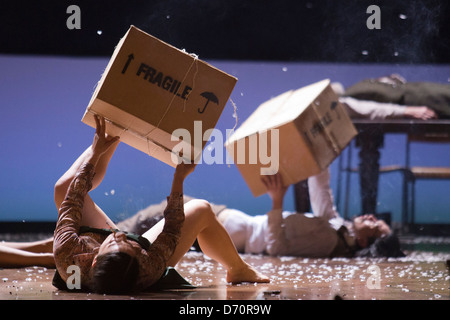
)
(116, 267)
(367, 229)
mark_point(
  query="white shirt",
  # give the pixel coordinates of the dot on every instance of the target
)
(371, 109)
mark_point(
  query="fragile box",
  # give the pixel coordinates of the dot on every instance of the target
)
(150, 89)
(298, 133)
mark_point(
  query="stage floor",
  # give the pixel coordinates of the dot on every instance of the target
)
(419, 276)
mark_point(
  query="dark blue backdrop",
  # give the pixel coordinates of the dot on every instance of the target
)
(43, 100)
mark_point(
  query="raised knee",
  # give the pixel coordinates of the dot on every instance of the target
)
(60, 191)
(201, 204)
(202, 208)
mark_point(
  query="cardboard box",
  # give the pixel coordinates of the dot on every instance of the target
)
(150, 89)
(304, 130)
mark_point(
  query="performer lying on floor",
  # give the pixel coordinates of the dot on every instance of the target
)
(395, 90)
(322, 234)
(40, 252)
(116, 262)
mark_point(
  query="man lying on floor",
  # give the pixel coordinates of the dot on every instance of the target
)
(322, 233)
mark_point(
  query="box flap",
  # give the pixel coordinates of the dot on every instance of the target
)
(279, 110)
(259, 120)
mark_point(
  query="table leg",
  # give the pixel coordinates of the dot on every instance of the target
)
(301, 197)
(369, 166)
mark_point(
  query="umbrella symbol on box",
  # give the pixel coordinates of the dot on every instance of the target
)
(209, 96)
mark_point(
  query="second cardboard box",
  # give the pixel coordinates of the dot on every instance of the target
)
(298, 133)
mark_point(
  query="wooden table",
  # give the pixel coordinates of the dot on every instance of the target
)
(369, 140)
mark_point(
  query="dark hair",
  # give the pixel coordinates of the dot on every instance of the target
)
(115, 273)
(387, 246)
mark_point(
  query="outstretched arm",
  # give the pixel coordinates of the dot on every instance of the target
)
(420, 112)
(321, 195)
(275, 189)
(380, 110)
(99, 154)
(72, 207)
(102, 142)
(174, 213)
(165, 243)
(276, 238)
(101, 161)
(181, 172)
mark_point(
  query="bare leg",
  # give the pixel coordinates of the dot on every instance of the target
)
(93, 216)
(201, 223)
(19, 254)
(22, 254)
(15, 258)
(40, 246)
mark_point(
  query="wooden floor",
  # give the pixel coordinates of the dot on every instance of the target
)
(419, 276)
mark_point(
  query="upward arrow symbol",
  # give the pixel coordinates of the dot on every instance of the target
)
(130, 57)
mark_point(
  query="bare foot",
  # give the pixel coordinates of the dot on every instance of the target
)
(246, 274)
